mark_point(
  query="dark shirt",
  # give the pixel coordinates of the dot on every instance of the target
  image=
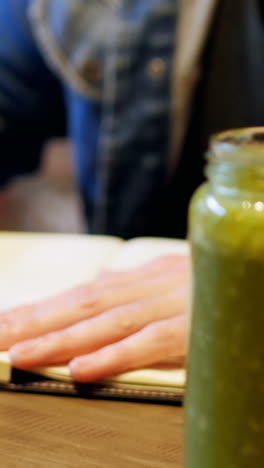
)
(229, 95)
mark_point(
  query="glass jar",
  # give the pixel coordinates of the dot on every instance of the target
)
(225, 391)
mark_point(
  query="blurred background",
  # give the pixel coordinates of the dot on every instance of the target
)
(46, 201)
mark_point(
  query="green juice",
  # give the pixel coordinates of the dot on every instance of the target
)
(225, 391)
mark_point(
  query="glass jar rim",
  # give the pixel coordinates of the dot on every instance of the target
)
(226, 144)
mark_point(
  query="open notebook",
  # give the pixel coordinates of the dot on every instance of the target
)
(36, 266)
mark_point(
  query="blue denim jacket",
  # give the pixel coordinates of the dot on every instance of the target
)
(114, 61)
(117, 59)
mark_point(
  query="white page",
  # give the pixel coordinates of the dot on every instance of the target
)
(140, 250)
(36, 266)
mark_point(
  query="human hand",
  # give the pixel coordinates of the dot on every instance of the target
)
(119, 322)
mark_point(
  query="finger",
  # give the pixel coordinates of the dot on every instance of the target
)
(156, 342)
(173, 363)
(90, 335)
(80, 295)
(147, 270)
(46, 319)
(63, 300)
(7, 316)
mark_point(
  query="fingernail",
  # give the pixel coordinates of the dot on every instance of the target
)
(24, 350)
(74, 368)
(76, 364)
(80, 367)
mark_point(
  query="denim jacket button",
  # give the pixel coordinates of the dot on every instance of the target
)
(150, 162)
(156, 68)
(90, 71)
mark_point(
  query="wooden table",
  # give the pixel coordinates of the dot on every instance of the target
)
(38, 431)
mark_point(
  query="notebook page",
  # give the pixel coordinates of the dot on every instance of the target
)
(36, 266)
(168, 377)
(138, 251)
(5, 367)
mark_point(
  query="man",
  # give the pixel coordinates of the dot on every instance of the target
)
(144, 84)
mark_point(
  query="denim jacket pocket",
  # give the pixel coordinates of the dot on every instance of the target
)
(72, 36)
